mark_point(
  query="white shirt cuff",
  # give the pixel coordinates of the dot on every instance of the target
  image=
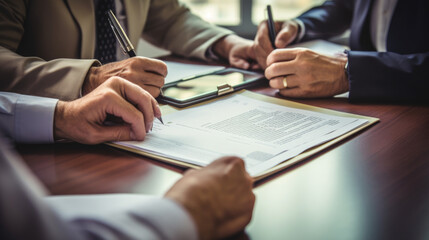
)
(129, 216)
(31, 119)
(302, 30)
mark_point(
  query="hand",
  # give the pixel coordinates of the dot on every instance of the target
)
(145, 72)
(219, 197)
(308, 74)
(237, 50)
(286, 33)
(82, 120)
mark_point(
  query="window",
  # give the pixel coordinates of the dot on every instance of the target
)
(243, 16)
(220, 12)
(282, 9)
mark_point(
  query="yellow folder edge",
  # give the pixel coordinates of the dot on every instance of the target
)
(166, 109)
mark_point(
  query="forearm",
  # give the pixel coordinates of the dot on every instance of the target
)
(328, 20)
(174, 27)
(125, 216)
(375, 76)
(61, 78)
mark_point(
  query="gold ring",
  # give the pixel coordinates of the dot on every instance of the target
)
(284, 82)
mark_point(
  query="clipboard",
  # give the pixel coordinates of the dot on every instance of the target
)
(285, 164)
(195, 89)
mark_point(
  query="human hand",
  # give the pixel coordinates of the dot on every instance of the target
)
(219, 197)
(145, 72)
(287, 31)
(82, 120)
(308, 74)
(237, 50)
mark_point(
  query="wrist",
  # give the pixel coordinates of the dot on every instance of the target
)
(345, 73)
(90, 79)
(59, 120)
(223, 46)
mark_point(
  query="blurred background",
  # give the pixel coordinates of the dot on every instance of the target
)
(243, 16)
(240, 16)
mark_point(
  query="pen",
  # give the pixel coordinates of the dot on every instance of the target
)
(123, 39)
(271, 28)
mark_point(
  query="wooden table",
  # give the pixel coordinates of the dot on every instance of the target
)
(374, 185)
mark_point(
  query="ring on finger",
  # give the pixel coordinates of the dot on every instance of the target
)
(284, 82)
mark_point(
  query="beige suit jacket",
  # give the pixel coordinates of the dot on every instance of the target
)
(47, 46)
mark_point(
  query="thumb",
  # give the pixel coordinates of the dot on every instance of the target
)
(239, 63)
(286, 36)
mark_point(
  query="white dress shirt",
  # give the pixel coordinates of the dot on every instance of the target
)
(30, 119)
(381, 16)
(27, 119)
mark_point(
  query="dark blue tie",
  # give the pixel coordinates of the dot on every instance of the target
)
(106, 41)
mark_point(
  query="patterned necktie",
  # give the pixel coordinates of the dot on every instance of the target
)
(106, 41)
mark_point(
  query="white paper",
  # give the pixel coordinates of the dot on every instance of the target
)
(263, 134)
(321, 46)
(177, 71)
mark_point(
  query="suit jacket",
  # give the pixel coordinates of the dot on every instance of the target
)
(47, 46)
(402, 73)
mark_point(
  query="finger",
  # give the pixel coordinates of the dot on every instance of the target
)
(228, 160)
(143, 78)
(293, 93)
(156, 109)
(153, 91)
(236, 223)
(142, 100)
(286, 35)
(119, 107)
(263, 39)
(240, 63)
(281, 55)
(189, 171)
(278, 83)
(149, 65)
(255, 66)
(279, 69)
(115, 133)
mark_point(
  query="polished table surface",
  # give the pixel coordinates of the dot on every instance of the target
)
(373, 185)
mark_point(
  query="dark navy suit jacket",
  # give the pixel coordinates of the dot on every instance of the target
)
(402, 73)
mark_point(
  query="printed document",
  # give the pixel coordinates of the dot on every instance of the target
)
(263, 134)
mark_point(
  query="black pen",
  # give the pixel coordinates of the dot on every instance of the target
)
(271, 28)
(123, 39)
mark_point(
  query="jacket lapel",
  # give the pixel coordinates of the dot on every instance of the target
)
(83, 13)
(361, 38)
(134, 10)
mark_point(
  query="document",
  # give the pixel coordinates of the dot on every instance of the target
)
(264, 134)
(321, 46)
(178, 71)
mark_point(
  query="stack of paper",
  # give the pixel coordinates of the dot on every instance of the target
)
(262, 133)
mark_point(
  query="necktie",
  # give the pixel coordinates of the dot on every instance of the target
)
(106, 41)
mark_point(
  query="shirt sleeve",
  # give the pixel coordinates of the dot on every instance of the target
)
(124, 216)
(27, 119)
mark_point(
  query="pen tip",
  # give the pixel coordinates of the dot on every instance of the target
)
(160, 119)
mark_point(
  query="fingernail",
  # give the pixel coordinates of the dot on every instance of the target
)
(132, 136)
